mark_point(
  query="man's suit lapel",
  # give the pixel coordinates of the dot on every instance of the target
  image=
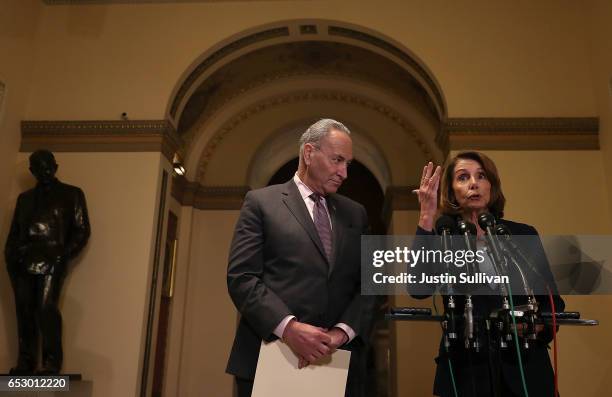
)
(293, 200)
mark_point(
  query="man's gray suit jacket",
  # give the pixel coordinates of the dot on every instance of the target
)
(277, 267)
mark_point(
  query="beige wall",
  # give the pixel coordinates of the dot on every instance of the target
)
(491, 58)
(18, 29)
(600, 57)
(105, 295)
(210, 316)
(565, 193)
(558, 192)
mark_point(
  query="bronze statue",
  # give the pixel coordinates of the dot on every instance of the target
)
(50, 227)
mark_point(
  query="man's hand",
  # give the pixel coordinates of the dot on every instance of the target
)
(309, 343)
(338, 338)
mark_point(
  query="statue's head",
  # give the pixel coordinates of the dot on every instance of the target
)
(43, 166)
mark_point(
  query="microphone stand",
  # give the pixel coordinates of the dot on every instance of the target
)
(511, 251)
(451, 323)
(487, 223)
(444, 226)
(468, 229)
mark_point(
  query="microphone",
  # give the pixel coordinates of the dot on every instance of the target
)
(511, 254)
(487, 223)
(513, 251)
(468, 230)
(506, 239)
(445, 226)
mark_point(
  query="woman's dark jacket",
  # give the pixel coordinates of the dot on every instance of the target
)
(474, 371)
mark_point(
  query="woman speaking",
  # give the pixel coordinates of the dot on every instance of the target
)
(470, 187)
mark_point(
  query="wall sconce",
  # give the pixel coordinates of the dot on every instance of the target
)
(177, 165)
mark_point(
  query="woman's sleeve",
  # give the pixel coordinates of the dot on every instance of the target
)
(547, 282)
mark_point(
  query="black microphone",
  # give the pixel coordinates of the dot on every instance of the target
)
(506, 239)
(487, 223)
(513, 251)
(445, 226)
(468, 230)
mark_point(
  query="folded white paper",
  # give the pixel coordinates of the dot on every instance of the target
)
(278, 374)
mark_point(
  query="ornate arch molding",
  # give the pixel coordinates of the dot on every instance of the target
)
(303, 30)
(281, 147)
(306, 96)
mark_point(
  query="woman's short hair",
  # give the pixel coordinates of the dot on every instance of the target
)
(448, 202)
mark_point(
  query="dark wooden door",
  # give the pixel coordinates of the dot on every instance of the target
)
(164, 307)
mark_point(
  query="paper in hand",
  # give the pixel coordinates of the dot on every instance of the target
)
(278, 374)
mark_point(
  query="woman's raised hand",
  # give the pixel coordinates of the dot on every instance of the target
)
(428, 195)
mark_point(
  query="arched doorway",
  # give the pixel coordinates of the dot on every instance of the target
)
(241, 109)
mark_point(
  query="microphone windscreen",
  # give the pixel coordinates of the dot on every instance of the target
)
(486, 220)
(502, 230)
(466, 227)
(445, 222)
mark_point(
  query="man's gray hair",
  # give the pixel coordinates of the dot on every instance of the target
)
(319, 130)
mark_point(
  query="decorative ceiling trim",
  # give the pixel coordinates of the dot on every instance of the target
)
(193, 194)
(304, 96)
(397, 52)
(218, 55)
(101, 136)
(523, 133)
(315, 31)
(284, 78)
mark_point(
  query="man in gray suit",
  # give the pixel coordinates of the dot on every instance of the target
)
(294, 262)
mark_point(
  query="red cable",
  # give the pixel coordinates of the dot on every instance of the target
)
(554, 331)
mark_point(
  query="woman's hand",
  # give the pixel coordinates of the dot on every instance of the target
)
(428, 195)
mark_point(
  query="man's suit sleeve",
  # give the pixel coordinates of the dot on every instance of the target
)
(259, 305)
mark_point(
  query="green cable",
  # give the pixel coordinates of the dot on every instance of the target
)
(516, 344)
(450, 365)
